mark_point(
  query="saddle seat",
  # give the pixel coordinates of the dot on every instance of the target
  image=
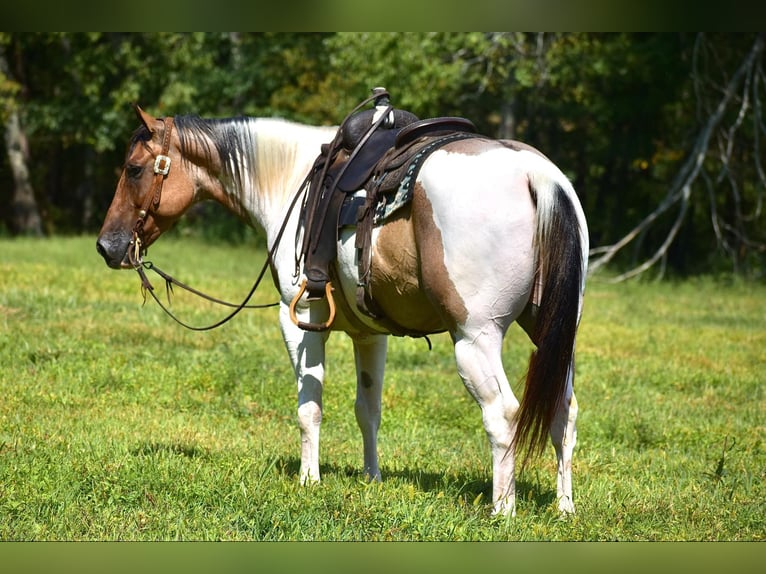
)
(407, 128)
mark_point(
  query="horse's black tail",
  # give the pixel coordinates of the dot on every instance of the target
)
(562, 250)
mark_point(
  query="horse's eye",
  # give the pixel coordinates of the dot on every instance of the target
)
(134, 171)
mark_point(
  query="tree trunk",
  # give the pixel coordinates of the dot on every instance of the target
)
(507, 129)
(25, 217)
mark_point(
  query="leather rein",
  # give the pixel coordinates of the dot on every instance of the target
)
(151, 202)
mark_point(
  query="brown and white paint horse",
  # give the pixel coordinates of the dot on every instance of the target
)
(494, 234)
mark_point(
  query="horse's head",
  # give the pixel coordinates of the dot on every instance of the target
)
(152, 193)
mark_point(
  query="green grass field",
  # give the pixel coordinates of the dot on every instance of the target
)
(118, 424)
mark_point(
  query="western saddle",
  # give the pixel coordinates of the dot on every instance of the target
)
(365, 174)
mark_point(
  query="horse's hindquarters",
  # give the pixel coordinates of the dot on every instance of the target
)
(475, 225)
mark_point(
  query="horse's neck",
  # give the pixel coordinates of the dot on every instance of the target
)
(280, 154)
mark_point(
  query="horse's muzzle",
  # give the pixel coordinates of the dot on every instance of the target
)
(114, 251)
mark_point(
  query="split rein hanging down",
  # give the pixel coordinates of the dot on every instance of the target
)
(161, 170)
(137, 262)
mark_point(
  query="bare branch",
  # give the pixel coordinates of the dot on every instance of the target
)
(758, 127)
(681, 188)
(663, 249)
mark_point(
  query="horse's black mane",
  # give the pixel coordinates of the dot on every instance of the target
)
(230, 140)
(227, 134)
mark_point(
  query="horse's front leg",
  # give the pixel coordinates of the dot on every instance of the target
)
(370, 356)
(307, 354)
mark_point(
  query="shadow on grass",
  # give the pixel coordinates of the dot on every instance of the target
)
(466, 485)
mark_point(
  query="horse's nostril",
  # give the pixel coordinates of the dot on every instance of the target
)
(101, 249)
(112, 247)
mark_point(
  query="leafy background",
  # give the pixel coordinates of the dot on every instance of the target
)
(618, 112)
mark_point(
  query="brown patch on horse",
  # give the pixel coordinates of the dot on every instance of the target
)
(478, 145)
(521, 146)
(396, 279)
(365, 379)
(471, 146)
(435, 276)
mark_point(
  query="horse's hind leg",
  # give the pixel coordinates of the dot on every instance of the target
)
(370, 357)
(564, 437)
(563, 427)
(480, 366)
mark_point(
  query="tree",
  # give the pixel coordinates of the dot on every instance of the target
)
(666, 176)
(25, 217)
(726, 102)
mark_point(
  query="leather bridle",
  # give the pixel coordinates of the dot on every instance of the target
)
(152, 199)
(151, 204)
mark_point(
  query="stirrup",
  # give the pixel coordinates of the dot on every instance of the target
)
(316, 327)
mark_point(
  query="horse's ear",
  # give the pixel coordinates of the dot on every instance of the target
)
(144, 118)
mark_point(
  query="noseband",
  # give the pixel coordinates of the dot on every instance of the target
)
(152, 199)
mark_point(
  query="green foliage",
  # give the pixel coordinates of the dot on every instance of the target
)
(397, 61)
(9, 88)
(117, 424)
(617, 112)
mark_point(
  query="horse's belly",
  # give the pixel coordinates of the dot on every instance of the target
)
(395, 283)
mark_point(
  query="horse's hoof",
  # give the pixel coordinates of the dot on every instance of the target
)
(504, 508)
(566, 506)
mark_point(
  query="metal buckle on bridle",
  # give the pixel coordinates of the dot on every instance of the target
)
(162, 164)
(136, 259)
